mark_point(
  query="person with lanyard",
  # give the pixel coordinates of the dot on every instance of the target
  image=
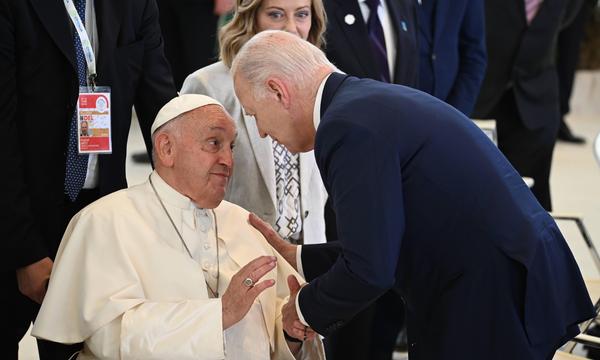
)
(66, 66)
(181, 274)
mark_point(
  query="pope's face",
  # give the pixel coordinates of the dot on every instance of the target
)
(203, 159)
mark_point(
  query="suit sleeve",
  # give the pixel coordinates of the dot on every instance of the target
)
(363, 173)
(318, 258)
(22, 242)
(156, 85)
(473, 58)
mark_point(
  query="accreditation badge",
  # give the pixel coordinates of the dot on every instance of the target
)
(94, 120)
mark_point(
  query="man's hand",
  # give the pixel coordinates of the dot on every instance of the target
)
(287, 250)
(33, 279)
(222, 7)
(291, 322)
(241, 292)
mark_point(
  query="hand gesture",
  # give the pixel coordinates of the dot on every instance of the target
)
(287, 250)
(291, 322)
(33, 279)
(244, 288)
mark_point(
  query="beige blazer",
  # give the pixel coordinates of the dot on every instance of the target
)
(252, 185)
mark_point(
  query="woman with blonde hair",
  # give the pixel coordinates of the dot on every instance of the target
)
(284, 189)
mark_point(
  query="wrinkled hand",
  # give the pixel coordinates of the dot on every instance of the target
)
(238, 298)
(222, 7)
(33, 279)
(291, 322)
(287, 250)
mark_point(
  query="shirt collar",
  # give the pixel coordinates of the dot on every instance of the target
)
(317, 107)
(170, 195)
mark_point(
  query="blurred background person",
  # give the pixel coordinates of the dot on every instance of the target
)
(452, 50)
(521, 89)
(189, 28)
(283, 188)
(568, 51)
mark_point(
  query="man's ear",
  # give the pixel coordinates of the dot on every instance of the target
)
(164, 149)
(280, 90)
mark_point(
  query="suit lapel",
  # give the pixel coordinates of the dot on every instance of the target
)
(58, 24)
(356, 34)
(398, 17)
(263, 153)
(439, 18)
(109, 15)
(241, 250)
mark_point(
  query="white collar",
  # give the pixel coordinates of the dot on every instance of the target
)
(170, 195)
(318, 98)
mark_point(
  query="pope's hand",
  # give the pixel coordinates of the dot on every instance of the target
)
(244, 288)
(291, 322)
(33, 279)
(287, 250)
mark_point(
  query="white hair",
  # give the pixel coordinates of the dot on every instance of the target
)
(276, 52)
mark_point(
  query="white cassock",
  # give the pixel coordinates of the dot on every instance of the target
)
(124, 284)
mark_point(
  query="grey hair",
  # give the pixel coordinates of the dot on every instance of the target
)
(276, 52)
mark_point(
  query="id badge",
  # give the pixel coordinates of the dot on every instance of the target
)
(94, 120)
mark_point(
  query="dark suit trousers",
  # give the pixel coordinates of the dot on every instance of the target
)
(529, 151)
(21, 311)
(569, 43)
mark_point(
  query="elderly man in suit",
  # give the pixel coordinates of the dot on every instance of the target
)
(376, 39)
(521, 89)
(43, 65)
(467, 246)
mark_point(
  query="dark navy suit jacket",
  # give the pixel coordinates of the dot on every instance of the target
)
(452, 51)
(348, 44)
(422, 199)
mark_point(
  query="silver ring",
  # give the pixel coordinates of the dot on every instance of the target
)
(248, 282)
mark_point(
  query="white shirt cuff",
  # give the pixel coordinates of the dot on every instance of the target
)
(300, 317)
(299, 261)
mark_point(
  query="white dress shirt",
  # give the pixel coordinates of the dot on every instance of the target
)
(316, 122)
(388, 30)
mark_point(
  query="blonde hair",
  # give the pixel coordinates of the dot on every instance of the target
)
(243, 26)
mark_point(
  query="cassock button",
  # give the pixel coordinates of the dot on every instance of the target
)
(349, 19)
(206, 246)
(205, 265)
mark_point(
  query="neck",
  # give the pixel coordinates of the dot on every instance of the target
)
(169, 177)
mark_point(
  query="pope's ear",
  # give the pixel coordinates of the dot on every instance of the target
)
(164, 149)
(279, 89)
